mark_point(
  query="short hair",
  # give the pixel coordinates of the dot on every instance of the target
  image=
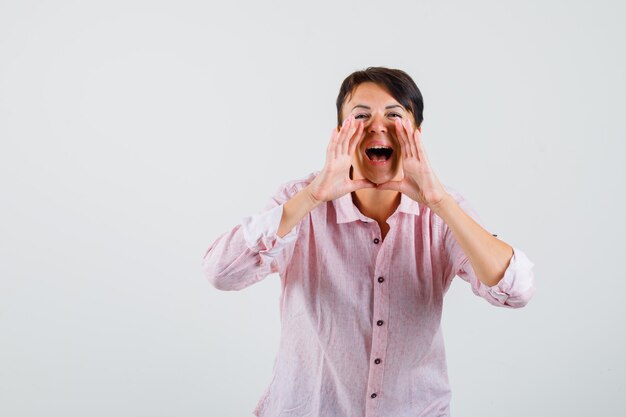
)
(397, 82)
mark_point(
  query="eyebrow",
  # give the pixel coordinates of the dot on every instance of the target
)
(391, 106)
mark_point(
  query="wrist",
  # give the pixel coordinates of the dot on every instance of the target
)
(311, 197)
(442, 204)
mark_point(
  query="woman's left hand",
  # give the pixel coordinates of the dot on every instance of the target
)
(420, 182)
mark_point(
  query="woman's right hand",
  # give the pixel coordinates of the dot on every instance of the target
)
(334, 179)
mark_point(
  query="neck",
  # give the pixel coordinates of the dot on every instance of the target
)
(376, 204)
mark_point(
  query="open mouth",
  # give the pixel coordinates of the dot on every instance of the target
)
(379, 153)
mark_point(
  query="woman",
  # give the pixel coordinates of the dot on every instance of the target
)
(366, 249)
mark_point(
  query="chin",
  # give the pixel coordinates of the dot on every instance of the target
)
(381, 178)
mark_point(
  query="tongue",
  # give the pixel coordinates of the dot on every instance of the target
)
(378, 158)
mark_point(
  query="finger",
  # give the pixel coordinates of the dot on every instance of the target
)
(420, 147)
(345, 137)
(332, 144)
(342, 132)
(356, 138)
(341, 135)
(410, 138)
(407, 137)
(391, 185)
(345, 140)
(406, 151)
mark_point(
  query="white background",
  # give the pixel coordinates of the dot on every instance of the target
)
(134, 133)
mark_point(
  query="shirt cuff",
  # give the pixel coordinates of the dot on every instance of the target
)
(259, 232)
(518, 284)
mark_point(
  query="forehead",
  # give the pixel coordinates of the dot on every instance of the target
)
(370, 92)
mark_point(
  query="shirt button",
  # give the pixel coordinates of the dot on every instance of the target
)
(376, 241)
(379, 322)
(381, 279)
(373, 395)
(377, 361)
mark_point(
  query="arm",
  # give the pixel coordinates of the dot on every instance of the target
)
(496, 271)
(333, 181)
(488, 255)
(295, 209)
(264, 243)
(252, 249)
(515, 284)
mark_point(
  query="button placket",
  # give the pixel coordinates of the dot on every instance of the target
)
(380, 317)
(381, 280)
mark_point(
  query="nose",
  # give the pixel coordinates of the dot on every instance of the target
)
(377, 124)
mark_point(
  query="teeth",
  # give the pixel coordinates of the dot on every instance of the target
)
(378, 152)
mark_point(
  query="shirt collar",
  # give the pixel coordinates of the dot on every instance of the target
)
(348, 212)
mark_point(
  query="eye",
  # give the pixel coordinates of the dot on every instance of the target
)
(360, 116)
(396, 115)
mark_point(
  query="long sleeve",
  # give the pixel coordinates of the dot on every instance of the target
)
(516, 287)
(252, 249)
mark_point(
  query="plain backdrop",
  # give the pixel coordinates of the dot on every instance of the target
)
(134, 133)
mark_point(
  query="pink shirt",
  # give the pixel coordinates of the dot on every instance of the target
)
(360, 317)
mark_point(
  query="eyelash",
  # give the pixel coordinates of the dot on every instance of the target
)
(358, 116)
